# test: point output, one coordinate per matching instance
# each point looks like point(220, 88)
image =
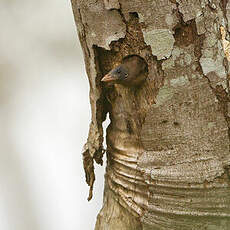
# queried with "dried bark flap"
point(96, 27)
point(89, 170)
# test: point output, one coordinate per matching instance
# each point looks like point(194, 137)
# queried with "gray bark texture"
point(168, 140)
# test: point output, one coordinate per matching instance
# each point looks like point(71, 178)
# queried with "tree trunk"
point(168, 140)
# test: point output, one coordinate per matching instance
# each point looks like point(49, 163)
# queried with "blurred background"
point(44, 120)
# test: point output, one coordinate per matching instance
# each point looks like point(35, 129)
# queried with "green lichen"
point(211, 125)
point(193, 76)
point(165, 94)
point(176, 53)
point(187, 59)
point(181, 62)
point(200, 25)
point(210, 41)
point(208, 53)
point(169, 19)
point(180, 81)
point(141, 17)
point(210, 65)
point(168, 64)
point(161, 42)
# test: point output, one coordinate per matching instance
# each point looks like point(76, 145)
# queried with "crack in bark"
point(222, 96)
point(223, 100)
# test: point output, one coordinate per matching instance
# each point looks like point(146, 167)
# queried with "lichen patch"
point(165, 94)
point(210, 65)
point(161, 42)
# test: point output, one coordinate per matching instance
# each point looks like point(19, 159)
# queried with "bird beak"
point(108, 78)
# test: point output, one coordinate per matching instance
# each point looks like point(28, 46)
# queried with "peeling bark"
point(168, 159)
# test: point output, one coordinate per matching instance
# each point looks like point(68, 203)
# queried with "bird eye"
point(126, 75)
point(118, 71)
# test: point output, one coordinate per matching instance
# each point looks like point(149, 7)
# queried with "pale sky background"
point(44, 120)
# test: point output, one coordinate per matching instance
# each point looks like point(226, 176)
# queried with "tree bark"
point(168, 140)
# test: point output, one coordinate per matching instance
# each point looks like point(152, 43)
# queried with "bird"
point(129, 73)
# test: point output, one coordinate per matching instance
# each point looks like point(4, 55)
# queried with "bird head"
point(118, 74)
point(129, 72)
